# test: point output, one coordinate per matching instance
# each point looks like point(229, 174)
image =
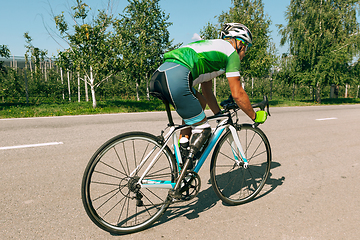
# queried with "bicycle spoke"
point(152, 204)
point(232, 185)
point(133, 143)
point(142, 157)
point(158, 175)
point(122, 209)
point(126, 159)
point(247, 146)
point(147, 210)
point(154, 194)
point(108, 200)
point(113, 207)
point(253, 170)
point(228, 182)
point(120, 161)
point(233, 151)
point(105, 183)
point(252, 157)
point(227, 156)
point(127, 211)
point(254, 181)
point(113, 168)
point(242, 183)
point(104, 194)
point(109, 175)
point(255, 150)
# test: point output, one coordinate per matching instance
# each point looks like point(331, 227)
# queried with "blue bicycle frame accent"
point(212, 143)
point(157, 184)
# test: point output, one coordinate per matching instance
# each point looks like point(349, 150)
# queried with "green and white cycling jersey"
point(207, 59)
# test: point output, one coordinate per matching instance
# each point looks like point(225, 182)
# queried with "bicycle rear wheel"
point(231, 181)
point(111, 196)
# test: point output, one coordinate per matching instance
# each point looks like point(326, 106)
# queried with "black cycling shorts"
point(174, 83)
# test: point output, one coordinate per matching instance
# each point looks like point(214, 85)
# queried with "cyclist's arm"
point(206, 88)
point(240, 97)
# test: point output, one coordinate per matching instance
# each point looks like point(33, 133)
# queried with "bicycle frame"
point(219, 130)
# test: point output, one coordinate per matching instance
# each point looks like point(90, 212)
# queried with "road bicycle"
point(131, 179)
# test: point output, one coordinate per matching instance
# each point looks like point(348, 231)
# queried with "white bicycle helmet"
point(233, 30)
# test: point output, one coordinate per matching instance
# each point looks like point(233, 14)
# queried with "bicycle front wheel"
point(111, 195)
point(233, 181)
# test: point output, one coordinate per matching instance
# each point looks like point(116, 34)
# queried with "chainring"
point(190, 186)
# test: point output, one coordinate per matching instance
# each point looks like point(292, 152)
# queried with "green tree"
point(92, 45)
point(143, 39)
point(355, 73)
point(260, 58)
point(210, 31)
point(36, 54)
point(287, 76)
point(323, 38)
point(4, 52)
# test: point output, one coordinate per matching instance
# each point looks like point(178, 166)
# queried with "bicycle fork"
point(235, 144)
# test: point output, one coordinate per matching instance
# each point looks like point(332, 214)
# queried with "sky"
point(188, 18)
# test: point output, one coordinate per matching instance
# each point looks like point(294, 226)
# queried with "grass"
point(22, 110)
point(325, 101)
point(37, 109)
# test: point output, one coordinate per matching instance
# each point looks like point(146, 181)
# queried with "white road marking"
point(31, 145)
point(325, 119)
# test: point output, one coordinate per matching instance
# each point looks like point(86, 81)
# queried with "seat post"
point(168, 112)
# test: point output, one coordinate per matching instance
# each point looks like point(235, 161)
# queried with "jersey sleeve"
point(233, 65)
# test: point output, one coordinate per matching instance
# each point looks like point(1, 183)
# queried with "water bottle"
point(184, 148)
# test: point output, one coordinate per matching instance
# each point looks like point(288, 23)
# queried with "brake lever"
point(267, 105)
point(267, 109)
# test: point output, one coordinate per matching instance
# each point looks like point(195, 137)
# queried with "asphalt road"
point(312, 193)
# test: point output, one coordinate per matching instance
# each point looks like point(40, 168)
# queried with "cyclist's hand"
point(261, 116)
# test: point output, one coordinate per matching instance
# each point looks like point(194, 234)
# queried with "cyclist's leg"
point(177, 87)
point(174, 82)
point(187, 131)
point(189, 105)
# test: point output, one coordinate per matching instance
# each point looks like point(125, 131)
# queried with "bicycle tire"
point(107, 188)
point(232, 183)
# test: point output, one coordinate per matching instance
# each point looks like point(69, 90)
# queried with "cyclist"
point(198, 63)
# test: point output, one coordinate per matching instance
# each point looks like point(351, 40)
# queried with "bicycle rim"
point(111, 197)
point(231, 181)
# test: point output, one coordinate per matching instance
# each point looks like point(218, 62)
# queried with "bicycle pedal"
point(175, 195)
point(139, 203)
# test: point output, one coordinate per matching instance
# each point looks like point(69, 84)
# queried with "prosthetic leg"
point(198, 141)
